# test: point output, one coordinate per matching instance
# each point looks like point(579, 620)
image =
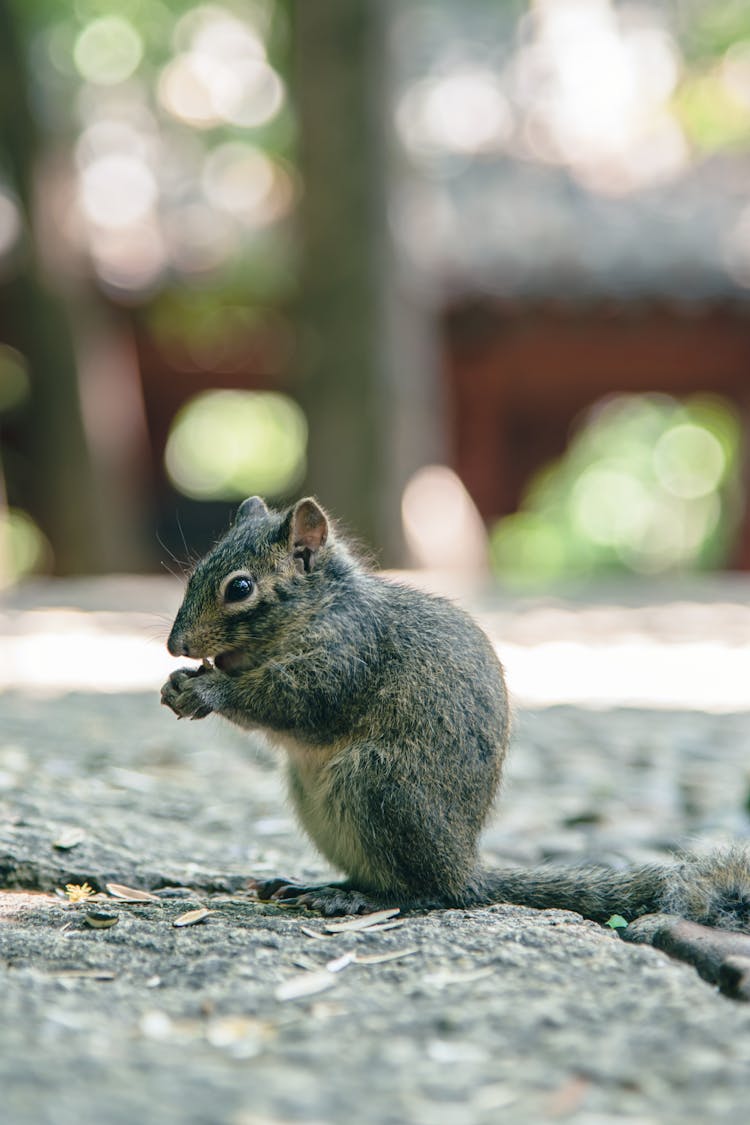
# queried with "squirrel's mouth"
point(228, 661)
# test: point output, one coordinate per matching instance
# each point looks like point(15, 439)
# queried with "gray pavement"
point(455, 1017)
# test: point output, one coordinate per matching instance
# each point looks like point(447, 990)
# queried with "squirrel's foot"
point(331, 901)
point(182, 694)
point(269, 890)
point(328, 899)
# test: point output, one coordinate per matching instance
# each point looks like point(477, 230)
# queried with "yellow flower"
point(78, 892)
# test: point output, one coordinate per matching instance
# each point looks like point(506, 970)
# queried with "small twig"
point(721, 957)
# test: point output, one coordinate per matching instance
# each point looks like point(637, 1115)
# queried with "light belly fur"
point(313, 773)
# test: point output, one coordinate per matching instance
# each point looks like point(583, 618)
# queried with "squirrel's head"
point(264, 557)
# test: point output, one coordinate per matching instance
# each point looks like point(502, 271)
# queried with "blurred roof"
point(590, 146)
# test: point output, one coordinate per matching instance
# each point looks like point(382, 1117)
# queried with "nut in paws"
point(183, 694)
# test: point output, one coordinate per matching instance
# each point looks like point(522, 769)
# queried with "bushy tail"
point(713, 889)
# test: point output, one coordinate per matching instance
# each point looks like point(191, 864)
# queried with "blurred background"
point(475, 273)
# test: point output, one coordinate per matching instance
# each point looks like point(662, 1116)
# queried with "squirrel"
point(392, 708)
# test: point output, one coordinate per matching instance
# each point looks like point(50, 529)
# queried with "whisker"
point(172, 555)
point(171, 571)
point(192, 559)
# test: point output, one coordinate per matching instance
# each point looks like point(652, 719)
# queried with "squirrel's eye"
point(239, 589)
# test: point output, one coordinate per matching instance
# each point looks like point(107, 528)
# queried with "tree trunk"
point(367, 361)
point(337, 74)
point(58, 485)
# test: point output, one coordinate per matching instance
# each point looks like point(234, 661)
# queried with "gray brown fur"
point(392, 708)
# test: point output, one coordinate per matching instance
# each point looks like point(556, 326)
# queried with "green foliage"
point(186, 102)
point(14, 379)
point(710, 116)
point(647, 485)
point(713, 114)
point(228, 444)
point(23, 548)
point(711, 27)
point(616, 922)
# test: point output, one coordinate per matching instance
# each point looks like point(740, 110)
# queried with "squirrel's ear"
point(251, 509)
point(308, 531)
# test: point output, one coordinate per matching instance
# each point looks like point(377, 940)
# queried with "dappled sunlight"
point(684, 655)
point(60, 650)
point(629, 672)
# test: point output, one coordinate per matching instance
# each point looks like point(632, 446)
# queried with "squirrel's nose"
point(177, 644)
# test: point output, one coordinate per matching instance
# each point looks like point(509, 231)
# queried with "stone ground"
point(453, 1018)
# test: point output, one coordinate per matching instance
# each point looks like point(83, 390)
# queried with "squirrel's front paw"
point(184, 695)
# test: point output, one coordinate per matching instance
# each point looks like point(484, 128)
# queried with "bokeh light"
point(648, 484)
point(117, 190)
point(610, 506)
point(596, 84)
point(24, 550)
point(14, 378)
point(596, 142)
point(442, 527)
point(130, 259)
point(10, 223)
point(245, 182)
point(223, 76)
point(108, 51)
point(463, 110)
point(228, 444)
point(168, 181)
point(689, 461)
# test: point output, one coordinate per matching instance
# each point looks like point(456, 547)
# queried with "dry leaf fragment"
point(69, 838)
point(78, 892)
point(131, 894)
point(100, 920)
point(381, 958)
point(362, 921)
point(305, 984)
point(192, 917)
point(341, 962)
point(315, 933)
